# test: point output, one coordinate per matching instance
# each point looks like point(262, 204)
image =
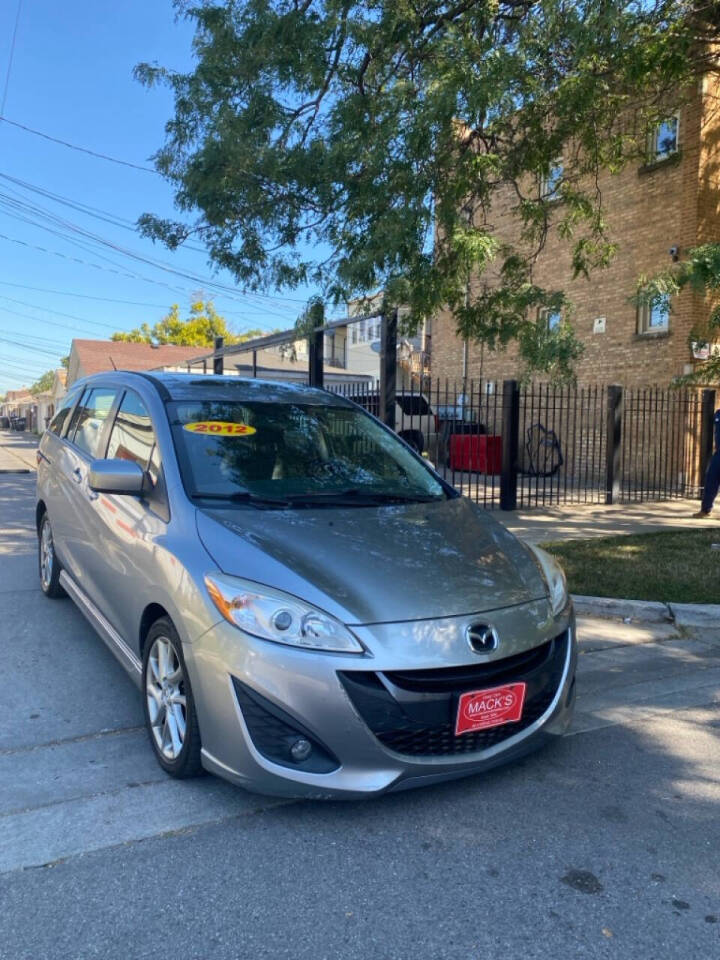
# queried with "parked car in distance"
point(415, 420)
point(307, 608)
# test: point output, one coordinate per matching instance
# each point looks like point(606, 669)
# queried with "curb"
point(649, 611)
point(696, 614)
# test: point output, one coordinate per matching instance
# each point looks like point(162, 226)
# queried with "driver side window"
point(132, 436)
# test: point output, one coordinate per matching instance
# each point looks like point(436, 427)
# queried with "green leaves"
point(43, 383)
point(379, 145)
point(199, 330)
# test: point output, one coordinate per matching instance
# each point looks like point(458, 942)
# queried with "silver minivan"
point(307, 608)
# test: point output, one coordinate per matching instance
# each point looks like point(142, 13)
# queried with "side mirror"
point(116, 476)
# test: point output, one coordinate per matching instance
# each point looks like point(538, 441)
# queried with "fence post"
point(510, 434)
point(218, 361)
point(613, 443)
point(316, 358)
point(706, 434)
point(388, 368)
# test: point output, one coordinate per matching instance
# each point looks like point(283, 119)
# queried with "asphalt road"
point(607, 845)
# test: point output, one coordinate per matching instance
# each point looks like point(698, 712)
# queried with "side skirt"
point(107, 633)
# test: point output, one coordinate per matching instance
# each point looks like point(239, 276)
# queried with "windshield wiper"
point(244, 496)
point(356, 496)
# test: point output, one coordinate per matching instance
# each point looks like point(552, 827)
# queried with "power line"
point(77, 205)
point(13, 376)
point(58, 313)
point(24, 367)
point(28, 346)
point(126, 224)
point(41, 341)
point(88, 296)
point(83, 296)
point(74, 146)
point(203, 283)
point(87, 263)
point(12, 55)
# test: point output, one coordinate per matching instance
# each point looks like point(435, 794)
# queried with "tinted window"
point(88, 421)
point(413, 405)
point(57, 424)
point(132, 436)
point(286, 450)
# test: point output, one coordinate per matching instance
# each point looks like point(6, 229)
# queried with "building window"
point(654, 317)
point(550, 180)
point(663, 139)
point(365, 331)
point(550, 319)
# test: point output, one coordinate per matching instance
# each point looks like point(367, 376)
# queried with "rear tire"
point(48, 564)
point(168, 702)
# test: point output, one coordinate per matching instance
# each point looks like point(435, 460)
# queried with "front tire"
point(170, 714)
point(48, 564)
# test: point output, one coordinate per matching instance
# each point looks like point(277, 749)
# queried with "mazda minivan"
point(307, 608)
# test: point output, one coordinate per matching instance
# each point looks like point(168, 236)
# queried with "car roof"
point(191, 386)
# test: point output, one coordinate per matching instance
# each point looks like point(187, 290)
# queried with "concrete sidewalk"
point(582, 521)
point(17, 451)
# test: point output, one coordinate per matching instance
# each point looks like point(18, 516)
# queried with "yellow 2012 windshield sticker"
point(219, 428)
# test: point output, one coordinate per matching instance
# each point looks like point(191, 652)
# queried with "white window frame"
point(654, 154)
point(551, 178)
point(544, 315)
point(646, 312)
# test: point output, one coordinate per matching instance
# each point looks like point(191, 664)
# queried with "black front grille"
point(470, 676)
point(413, 712)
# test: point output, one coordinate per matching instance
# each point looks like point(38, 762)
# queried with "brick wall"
point(648, 211)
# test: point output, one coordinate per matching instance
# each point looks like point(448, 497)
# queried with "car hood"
point(377, 564)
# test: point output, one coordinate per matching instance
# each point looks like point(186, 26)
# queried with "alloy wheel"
point(166, 698)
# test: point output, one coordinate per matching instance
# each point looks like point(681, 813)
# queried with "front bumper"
point(383, 721)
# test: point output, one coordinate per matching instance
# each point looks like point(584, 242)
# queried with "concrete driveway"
point(604, 846)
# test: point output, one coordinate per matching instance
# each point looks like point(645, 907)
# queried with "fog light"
point(300, 750)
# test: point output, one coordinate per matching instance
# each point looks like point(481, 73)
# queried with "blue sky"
point(71, 78)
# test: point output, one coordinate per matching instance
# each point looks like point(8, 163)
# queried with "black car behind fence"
point(513, 445)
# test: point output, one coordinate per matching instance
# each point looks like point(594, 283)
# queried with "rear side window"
point(132, 436)
point(86, 428)
point(413, 405)
point(57, 424)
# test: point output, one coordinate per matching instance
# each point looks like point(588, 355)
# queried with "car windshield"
point(294, 454)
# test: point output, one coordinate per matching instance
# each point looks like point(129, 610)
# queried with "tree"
point(362, 145)
point(43, 383)
point(199, 330)
point(700, 272)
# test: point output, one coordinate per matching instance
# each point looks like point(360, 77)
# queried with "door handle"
point(77, 475)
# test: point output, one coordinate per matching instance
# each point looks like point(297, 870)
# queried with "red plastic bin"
point(478, 453)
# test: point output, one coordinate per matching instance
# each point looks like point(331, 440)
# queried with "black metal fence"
point(514, 445)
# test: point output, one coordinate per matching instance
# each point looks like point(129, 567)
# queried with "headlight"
point(273, 615)
point(554, 578)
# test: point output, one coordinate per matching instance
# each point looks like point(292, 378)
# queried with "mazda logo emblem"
point(482, 638)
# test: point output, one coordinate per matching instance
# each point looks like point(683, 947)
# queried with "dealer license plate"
point(481, 709)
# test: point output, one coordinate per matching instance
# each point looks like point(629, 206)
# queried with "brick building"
point(672, 201)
